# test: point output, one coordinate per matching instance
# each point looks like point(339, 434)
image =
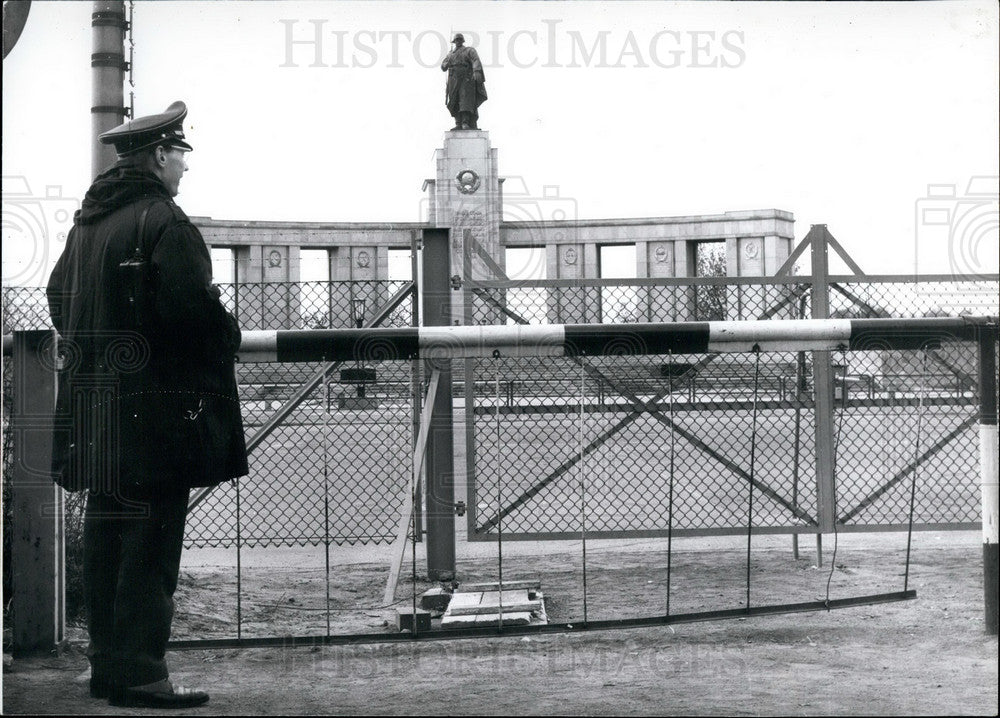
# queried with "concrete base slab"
point(491, 608)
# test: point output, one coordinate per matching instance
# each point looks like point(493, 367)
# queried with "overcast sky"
point(841, 113)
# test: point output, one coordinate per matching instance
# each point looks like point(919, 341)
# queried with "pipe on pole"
point(107, 62)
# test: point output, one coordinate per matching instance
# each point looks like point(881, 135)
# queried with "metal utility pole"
point(108, 73)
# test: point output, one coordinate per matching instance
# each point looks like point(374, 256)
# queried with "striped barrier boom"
point(553, 340)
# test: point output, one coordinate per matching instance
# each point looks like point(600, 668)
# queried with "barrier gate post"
point(826, 509)
point(439, 515)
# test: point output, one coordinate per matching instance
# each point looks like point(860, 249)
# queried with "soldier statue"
point(466, 88)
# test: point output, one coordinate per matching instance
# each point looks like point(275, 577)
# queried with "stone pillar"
point(265, 299)
point(279, 298)
point(363, 271)
point(745, 258)
point(755, 257)
point(776, 251)
point(466, 199)
point(572, 305)
point(686, 265)
point(665, 304)
point(354, 274)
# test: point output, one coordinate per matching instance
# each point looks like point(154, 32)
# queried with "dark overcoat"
point(147, 396)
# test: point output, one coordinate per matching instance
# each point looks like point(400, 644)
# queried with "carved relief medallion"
point(662, 253)
point(363, 258)
point(467, 181)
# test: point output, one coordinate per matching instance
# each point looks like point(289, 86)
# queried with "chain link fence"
point(628, 445)
point(267, 305)
point(623, 301)
point(608, 445)
point(313, 305)
point(335, 470)
point(619, 446)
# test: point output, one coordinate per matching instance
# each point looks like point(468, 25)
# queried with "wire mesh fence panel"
point(300, 305)
point(616, 302)
point(599, 443)
point(313, 305)
point(909, 431)
point(563, 445)
point(25, 308)
point(907, 297)
point(335, 469)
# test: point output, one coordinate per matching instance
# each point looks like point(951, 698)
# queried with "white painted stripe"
point(243, 357)
point(258, 345)
point(779, 335)
point(519, 340)
point(988, 480)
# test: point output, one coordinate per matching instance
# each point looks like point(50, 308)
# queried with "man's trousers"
point(131, 557)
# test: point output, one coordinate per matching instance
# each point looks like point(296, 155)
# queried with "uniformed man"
point(466, 88)
point(147, 404)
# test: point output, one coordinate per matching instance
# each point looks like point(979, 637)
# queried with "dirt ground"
point(928, 656)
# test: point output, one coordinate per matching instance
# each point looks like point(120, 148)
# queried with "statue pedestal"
point(465, 198)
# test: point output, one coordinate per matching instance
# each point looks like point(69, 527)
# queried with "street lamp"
point(358, 312)
point(360, 375)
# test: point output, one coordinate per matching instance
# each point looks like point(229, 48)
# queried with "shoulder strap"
point(142, 229)
point(140, 236)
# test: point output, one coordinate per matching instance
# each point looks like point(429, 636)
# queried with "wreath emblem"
point(467, 181)
point(661, 253)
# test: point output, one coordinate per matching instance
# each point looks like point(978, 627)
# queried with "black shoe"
point(157, 695)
